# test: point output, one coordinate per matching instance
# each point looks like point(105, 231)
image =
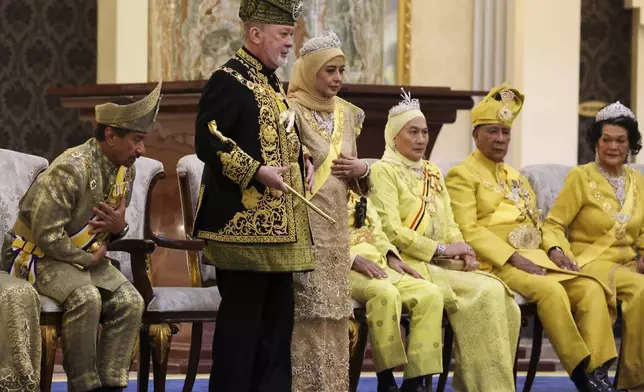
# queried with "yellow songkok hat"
point(277, 12)
point(137, 116)
point(501, 106)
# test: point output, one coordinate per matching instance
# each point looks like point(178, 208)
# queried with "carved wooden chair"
point(172, 305)
point(189, 171)
point(20, 170)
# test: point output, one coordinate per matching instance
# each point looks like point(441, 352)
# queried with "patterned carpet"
point(559, 383)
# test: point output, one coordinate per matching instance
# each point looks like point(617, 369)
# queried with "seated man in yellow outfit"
point(495, 208)
point(59, 241)
point(381, 280)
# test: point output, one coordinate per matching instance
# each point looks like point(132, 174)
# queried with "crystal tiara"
point(408, 103)
point(320, 43)
point(613, 111)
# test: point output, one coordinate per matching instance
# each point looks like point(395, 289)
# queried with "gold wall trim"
point(403, 60)
point(590, 108)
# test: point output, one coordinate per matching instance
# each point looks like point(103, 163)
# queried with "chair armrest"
point(138, 250)
point(171, 243)
point(132, 246)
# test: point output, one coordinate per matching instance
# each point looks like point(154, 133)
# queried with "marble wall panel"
point(189, 39)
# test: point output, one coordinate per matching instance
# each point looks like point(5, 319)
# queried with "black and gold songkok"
point(278, 12)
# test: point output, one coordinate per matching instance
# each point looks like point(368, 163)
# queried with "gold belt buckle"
point(525, 237)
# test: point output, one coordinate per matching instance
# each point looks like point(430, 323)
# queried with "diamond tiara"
point(613, 111)
point(320, 43)
point(408, 103)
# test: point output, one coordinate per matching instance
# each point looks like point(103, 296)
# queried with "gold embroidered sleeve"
point(563, 211)
point(130, 177)
point(237, 165)
point(218, 123)
point(56, 193)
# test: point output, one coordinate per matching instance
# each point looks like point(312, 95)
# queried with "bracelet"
point(440, 249)
point(367, 172)
point(555, 248)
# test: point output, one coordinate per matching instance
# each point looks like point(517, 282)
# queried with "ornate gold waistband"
point(361, 235)
point(525, 237)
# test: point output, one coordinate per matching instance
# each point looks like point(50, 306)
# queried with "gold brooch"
point(525, 237)
point(92, 184)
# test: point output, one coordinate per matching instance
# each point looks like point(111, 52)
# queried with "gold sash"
point(606, 241)
point(27, 253)
point(323, 172)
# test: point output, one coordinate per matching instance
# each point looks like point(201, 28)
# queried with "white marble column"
point(122, 41)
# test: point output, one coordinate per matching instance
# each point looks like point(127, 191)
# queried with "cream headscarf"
point(399, 115)
point(314, 55)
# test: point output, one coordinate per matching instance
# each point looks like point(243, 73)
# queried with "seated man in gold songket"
point(495, 209)
point(59, 241)
point(414, 208)
point(381, 280)
point(600, 205)
point(19, 335)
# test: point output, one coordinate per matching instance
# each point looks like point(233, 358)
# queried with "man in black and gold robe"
point(256, 230)
point(58, 243)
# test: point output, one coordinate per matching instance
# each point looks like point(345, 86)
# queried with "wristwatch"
point(440, 249)
point(120, 235)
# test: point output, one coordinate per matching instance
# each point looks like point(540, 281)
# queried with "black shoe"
point(388, 388)
point(601, 376)
point(412, 385)
point(583, 381)
point(387, 382)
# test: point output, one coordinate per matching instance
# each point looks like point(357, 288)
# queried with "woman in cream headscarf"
point(414, 206)
point(328, 128)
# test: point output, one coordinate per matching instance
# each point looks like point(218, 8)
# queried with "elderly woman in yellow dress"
point(414, 206)
point(600, 205)
point(328, 128)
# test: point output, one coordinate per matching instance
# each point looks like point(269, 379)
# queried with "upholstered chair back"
point(546, 181)
point(18, 170)
point(147, 172)
point(189, 172)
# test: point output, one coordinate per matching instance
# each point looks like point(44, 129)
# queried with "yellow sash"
point(419, 220)
point(606, 241)
point(27, 254)
point(323, 172)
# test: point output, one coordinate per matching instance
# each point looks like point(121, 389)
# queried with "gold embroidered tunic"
point(57, 206)
point(243, 124)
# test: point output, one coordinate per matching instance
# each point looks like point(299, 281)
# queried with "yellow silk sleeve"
point(462, 188)
point(382, 242)
point(454, 235)
point(386, 189)
point(56, 193)
point(569, 201)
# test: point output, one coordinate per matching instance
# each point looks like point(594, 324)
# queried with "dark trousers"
point(251, 350)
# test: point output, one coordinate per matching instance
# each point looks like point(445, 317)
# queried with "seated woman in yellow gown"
point(414, 206)
point(601, 206)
